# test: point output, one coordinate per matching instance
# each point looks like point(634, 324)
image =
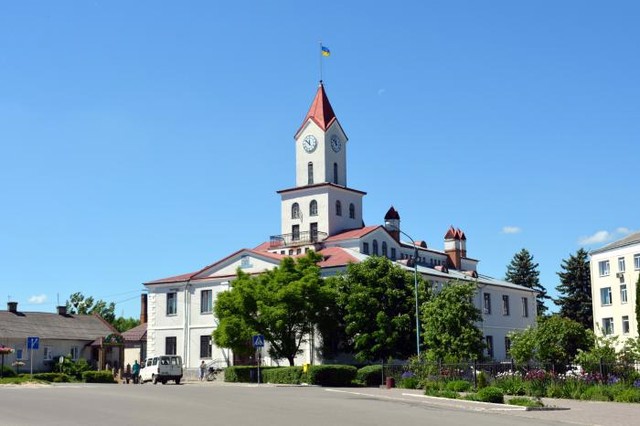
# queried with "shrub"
point(443, 393)
point(7, 371)
point(53, 377)
point(244, 373)
point(525, 402)
point(371, 375)
point(433, 385)
point(628, 395)
point(481, 380)
point(287, 375)
point(100, 376)
point(556, 390)
point(409, 383)
point(511, 383)
point(458, 386)
point(331, 375)
point(597, 393)
point(491, 394)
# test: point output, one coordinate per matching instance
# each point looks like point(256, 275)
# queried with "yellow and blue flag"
point(325, 51)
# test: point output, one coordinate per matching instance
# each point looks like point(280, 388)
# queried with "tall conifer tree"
point(575, 289)
point(523, 271)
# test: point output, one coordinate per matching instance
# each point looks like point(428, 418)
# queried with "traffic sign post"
point(258, 344)
point(33, 343)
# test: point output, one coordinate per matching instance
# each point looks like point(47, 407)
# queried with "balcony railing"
point(297, 239)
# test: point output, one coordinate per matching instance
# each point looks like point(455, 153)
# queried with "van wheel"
point(154, 379)
point(178, 381)
point(164, 382)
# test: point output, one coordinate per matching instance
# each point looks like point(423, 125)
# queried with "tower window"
point(310, 173)
point(295, 232)
point(335, 173)
point(295, 211)
point(352, 211)
point(375, 247)
point(338, 208)
point(313, 208)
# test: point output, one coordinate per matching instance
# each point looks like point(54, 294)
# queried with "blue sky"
point(147, 139)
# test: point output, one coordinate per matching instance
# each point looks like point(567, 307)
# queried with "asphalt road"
point(220, 404)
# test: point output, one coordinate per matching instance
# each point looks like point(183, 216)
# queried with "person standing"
point(203, 370)
point(135, 371)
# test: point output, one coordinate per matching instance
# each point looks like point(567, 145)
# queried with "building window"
point(605, 296)
point(607, 326)
point(384, 248)
point(245, 262)
point(621, 264)
point(505, 304)
point(295, 232)
point(487, 303)
point(170, 345)
point(205, 346)
point(375, 247)
point(310, 173)
point(352, 211)
point(507, 346)
point(623, 293)
point(625, 324)
point(338, 208)
point(603, 266)
point(19, 353)
point(295, 211)
point(47, 354)
point(206, 301)
point(75, 353)
point(172, 303)
point(525, 307)
point(365, 248)
point(335, 173)
point(636, 261)
point(313, 208)
point(489, 341)
point(393, 253)
point(313, 231)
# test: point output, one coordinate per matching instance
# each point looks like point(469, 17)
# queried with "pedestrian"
point(135, 370)
point(203, 369)
point(127, 373)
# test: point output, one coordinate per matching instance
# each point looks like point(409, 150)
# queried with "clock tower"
point(321, 204)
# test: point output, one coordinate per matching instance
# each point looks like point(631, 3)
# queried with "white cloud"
point(623, 231)
point(381, 91)
point(38, 299)
point(598, 237)
point(511, 230)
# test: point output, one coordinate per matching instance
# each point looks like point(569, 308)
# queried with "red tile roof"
point(320, 111)
point(336, 256)
point(354, 233)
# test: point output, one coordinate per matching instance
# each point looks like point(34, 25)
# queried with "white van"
point(161, 369)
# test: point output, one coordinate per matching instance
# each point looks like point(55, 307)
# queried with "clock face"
point(309, 143)
point(335, 143)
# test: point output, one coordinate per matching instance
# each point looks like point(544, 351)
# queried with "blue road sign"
point(33, 342)
point(258, 341)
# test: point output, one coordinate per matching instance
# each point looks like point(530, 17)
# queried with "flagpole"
point(320, 51)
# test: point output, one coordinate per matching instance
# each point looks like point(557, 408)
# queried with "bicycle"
point(212, 373)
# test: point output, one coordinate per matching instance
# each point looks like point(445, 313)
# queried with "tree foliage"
point(78, 304)
point(283, 304)
point(575, 289)
point(524, 271)
point(555, 341)
point(377, 299)
point(449, 322)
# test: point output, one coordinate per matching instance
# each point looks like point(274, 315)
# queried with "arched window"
point(313, 208)
point(295, 211)
point(352, 211)
point(384, 248)
point(310, 173)
point(375, 247)
point(338, 208)
point(335, 173)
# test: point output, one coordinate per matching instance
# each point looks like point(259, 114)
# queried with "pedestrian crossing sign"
point(258, 341)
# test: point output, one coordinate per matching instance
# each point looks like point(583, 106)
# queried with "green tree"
point(377, 300)
point(123, 324)
point(449, 322)
point(555, 341)
point(283, 304)
point(78, 304)
point(523, 271)
point(575, 289)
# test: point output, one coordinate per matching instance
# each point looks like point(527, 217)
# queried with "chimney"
point(62, 310)
point(12, 307)
point(143, 308)
point(452, 247)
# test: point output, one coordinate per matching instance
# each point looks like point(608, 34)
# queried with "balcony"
point(298, 239)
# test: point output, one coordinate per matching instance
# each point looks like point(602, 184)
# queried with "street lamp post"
point(415, 282)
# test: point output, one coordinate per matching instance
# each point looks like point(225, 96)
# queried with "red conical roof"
point(392, 214)
point(320, 111)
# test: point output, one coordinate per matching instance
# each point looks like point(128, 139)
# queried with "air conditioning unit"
point(619, 274)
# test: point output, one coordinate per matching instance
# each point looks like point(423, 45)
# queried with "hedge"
point(331, 375)
point(371, 375)
point(52, 377)
point(101, 376)
point(244, 373)
point(288, 375)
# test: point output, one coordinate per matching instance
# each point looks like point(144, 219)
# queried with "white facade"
point(323, 214)
point(614, 275)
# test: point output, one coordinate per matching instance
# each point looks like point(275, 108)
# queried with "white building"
point(614, 274)
point(324, 214)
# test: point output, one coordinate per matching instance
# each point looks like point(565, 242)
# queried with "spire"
point(320, 111)
point(392, 214)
